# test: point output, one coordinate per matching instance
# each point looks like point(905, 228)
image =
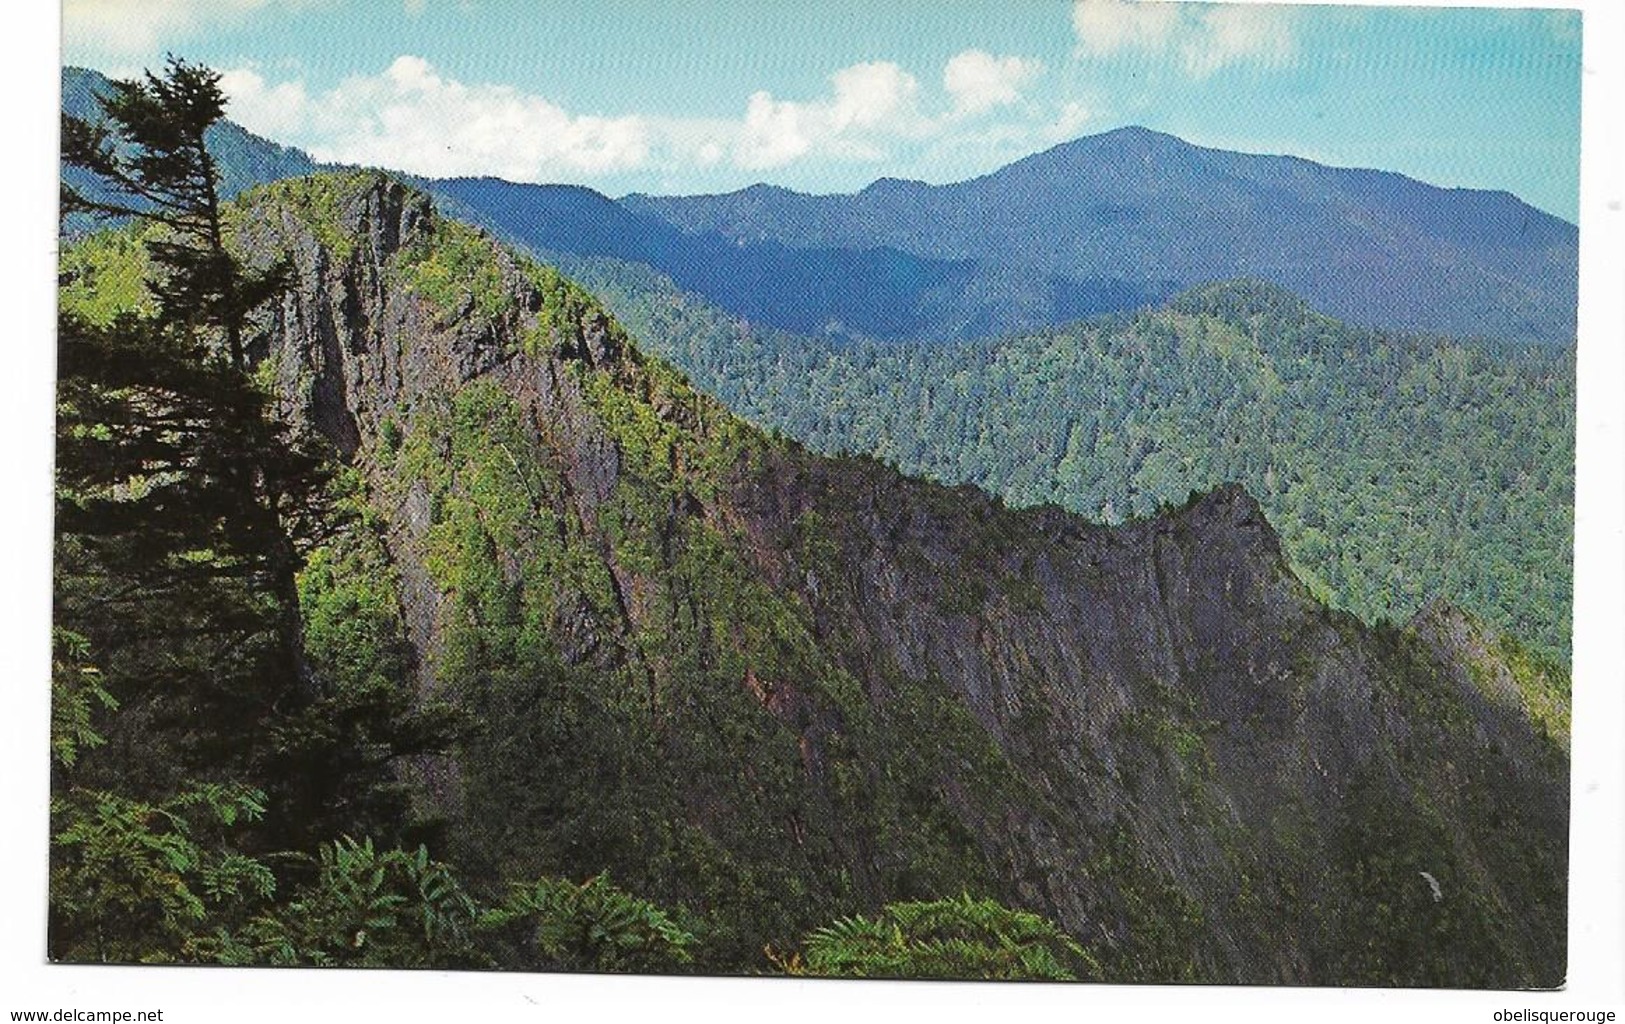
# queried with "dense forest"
point(1398, 468)
point(408, 614)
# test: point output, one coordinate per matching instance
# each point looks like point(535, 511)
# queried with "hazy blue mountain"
point(872, 291)
point(1159, 214)
point(1103, 224)
point(844, 292)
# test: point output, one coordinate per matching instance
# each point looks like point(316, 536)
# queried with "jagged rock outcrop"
point(776, 687)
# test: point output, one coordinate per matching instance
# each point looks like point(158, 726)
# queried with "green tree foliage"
point(131, 880)
point(151, 156)
point(165, 561)
point(963, 937)
point(76, 692)
point(182, 503)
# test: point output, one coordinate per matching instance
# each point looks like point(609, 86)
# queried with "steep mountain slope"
point(1396, 467)
point(1159, 214)
point(777, 687)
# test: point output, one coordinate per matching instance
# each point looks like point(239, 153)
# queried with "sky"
point(712, 95)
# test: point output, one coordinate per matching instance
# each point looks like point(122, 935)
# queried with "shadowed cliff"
point(777, 687)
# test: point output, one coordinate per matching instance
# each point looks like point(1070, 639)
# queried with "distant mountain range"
point(1109, 220)
point(1104, 223)
point(863, 291)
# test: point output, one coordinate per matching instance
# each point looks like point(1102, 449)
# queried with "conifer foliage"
point(151, 153)
point(196, 739)
point(183, 504)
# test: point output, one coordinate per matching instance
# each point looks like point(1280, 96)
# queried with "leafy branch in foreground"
point(130, 880)
point(366, 908)
point(963, 937)
point(594, 926)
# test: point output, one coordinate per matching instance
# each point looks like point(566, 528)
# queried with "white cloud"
point(1069, 122)
point(1106, 26)
point(870, 95)
point(979, 81)
point(773, 134)
point(1234, 32)
point(869, 103)
point(1204, 37)
point(137, 26)
point(271, 110)
point(412, 118)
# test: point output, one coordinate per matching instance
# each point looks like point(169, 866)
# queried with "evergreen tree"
point(186, 510)
point(152, 157)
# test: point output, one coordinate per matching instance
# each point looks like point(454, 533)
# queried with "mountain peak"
point(1129, 138)
point(1134, 133)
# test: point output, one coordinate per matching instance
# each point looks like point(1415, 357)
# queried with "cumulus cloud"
point(871, 95)
point(1202, 37)
point(1106, 26)
point(272, 110)
point(867, 104)
point(413, 118)
point(1236, 32)
point(774, 134)
point(979, 81)
point(137, 26)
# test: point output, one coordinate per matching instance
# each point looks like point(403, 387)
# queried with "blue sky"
point(700, 96)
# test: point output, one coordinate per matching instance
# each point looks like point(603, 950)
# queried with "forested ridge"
point(1398, 468)
point(409, 614)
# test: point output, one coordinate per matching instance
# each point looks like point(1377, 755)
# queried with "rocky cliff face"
point(775, 687)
